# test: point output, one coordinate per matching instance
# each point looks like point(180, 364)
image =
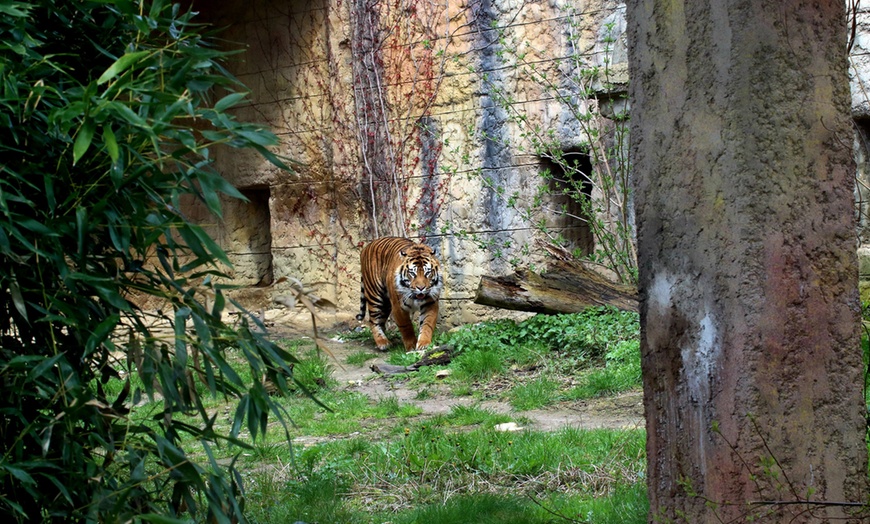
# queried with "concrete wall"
point(410, 117)
point(415, 132)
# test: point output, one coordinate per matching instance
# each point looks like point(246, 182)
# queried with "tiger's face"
point(418, 281)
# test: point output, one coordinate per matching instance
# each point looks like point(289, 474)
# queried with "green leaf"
point(14, 9)
point(101, 333)
point(82, 230)
point(180, 328)
point(161, 519)
point(111, 143)
point(125, 113)
point(111, 295)
point(20, 474)
point(36, 227)
point(83, 140)
point(260, 138)
point(156, 8)
point(43, 367)
point(203, 333)
point(214, 136)
point(121, 65)
point(229, 101)
point(214, 250)
point(48, 180)
point(18, 299)
point(270, 156)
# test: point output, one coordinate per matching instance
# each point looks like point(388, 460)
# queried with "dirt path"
point(621, 411)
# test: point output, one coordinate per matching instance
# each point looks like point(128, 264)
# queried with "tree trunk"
point(563, 288)
point(748, 274)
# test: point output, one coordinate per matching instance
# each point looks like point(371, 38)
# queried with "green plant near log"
point(107, 123)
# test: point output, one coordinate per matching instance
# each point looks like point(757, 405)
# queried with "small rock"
point(508, 426)
point(442, 373)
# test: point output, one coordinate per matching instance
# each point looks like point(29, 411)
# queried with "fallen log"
point(439, 356)
point(564, 288)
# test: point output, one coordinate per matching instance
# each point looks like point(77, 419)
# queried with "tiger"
point(400, 277)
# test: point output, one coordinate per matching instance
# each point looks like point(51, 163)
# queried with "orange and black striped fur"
point(402, 278)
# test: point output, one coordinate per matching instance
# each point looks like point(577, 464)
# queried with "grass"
point(454, 467)
point(360, 357)
point(376, 460)
point(533, 394)
point(600, 345)
point(439, 471)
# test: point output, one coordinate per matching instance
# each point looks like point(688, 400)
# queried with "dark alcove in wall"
point(570, 191)
point(253, 237)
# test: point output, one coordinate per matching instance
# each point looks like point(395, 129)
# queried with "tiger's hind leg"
point(381, 340)
point(377, 319)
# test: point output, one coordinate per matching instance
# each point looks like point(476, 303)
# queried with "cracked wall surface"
point(417, 129)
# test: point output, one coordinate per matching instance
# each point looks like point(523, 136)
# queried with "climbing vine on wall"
point(375, 92)
point(368, 142)
point(399, 51)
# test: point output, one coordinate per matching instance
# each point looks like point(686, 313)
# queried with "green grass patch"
point(620, 372)
point(480, 509)
point(599, 345)
point(533, 394)
point(374, 460)
point(314, 370)
point(360, 357)
point(424, 476)
point(469, 416)
point(478, 364)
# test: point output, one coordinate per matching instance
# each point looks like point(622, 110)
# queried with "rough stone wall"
point(412, 118)
point(404, 118)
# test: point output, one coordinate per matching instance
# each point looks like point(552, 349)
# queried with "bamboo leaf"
point(82, 231)
point(20, 474)
point(83, 140)
point(260, 138)
point(13, 9)
point(229, 101)
point(271, 157)
point(101, 333)
point(111, 143)
point(121, 65)
point(18, 299)
point(161, 519)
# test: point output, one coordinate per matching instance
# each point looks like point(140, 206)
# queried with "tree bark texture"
point(744, 179)
point(563, 288)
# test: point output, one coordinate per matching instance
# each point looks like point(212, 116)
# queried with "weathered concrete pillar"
point(748, 275)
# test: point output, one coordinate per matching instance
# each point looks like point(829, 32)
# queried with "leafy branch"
point(107, 125)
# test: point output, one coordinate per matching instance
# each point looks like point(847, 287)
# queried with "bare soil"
point(624, 410)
